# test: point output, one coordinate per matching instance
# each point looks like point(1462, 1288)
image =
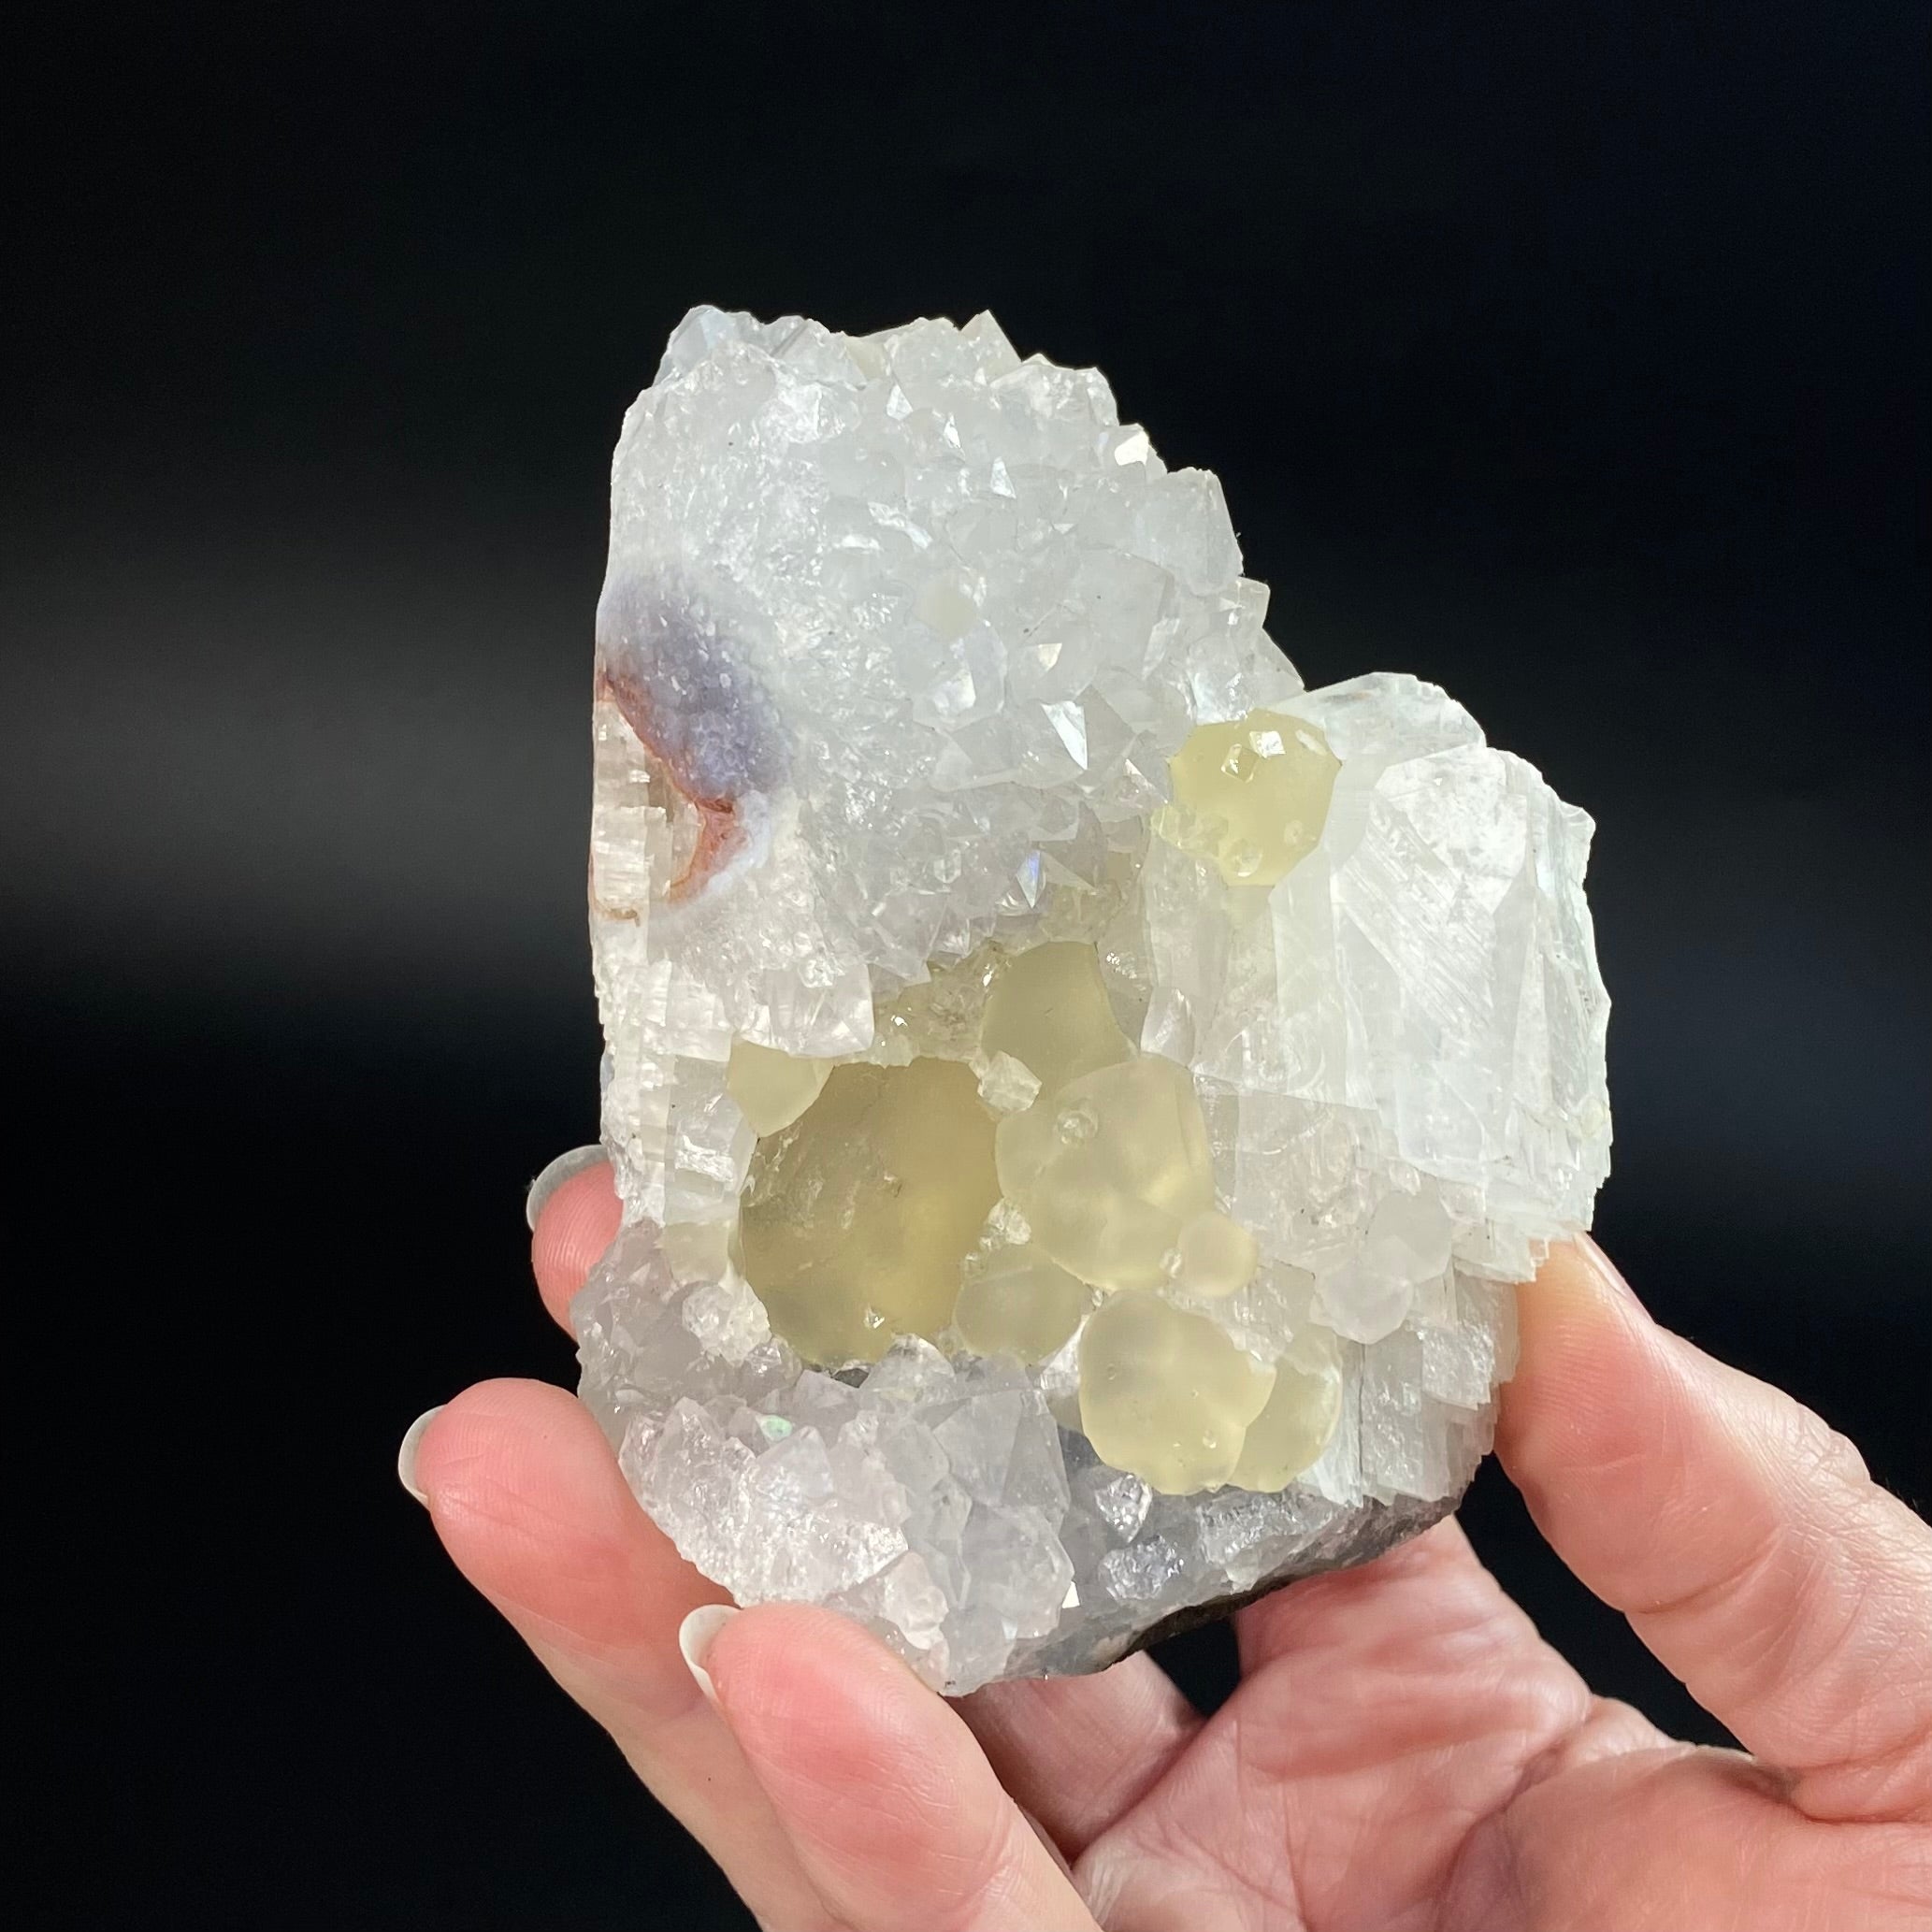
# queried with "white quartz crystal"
point(913, 660)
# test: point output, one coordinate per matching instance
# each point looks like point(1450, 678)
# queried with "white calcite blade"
point(1037, 1026)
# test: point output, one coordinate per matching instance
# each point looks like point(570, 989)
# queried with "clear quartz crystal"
point(1080, 1100)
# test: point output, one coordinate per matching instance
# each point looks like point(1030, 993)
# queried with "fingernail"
point(555, 1176)
point(696, 1636)
point(406, 1455)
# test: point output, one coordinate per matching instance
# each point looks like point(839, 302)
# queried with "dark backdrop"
point(1571, 356)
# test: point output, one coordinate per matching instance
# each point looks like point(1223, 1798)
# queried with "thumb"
point(1744, 1539)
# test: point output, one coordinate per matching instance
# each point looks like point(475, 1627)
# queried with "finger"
point(1076, 1752)
point(576, 1222)
point(894, 1814)
point(529, 1501)
point(1752, 1553)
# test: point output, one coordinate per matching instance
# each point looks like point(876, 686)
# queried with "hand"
point(1403, 1751)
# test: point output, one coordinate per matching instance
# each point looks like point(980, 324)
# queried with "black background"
point(1571, 356)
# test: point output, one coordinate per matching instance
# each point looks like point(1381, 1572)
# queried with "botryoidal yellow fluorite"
point(1109, 1168)
point(1049, 1009)
point(866, 1212)
point(772, 1088)
point(858, 1215)
point(1166, 1394)
point(1253, 794)
point(1016, 1302)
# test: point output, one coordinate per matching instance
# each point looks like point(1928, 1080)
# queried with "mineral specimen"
point(1080, 1100)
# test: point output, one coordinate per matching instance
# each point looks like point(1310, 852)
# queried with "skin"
point(1404, 1751)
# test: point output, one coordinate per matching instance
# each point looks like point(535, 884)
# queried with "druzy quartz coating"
point(1080, 1100)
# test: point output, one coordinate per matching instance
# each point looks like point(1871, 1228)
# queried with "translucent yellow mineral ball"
point(1109, 1169)
point(1165, 1394)
point(1254, 794)
point(1292, 1429)
point(1016, 1302)
point(857, 1216)
point(1049, 1009)
point(1215, 1256)
point(772, 1088)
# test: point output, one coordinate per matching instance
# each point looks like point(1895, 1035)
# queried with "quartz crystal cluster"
point(1080, 1100)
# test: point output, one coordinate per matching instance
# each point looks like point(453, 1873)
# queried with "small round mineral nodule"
point(1165, 1395)
point(1017, 1302)
point(1296, 1425)
point(1217, 1256)
point(1109, 1168)
point(773, 1088)
point(1079, 1098)
point(1049, 1009)
point(1260, 786)
point(858, 1215)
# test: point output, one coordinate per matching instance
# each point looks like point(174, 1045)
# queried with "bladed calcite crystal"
point(1080, 1100)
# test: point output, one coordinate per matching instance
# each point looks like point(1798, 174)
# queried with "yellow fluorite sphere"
point(1165, 1394)
point(1108, 1169)
point(1292, 1429)
point(772, 1088)
point(857, 1216)
point(1258, 792)
point(1018, 1303)
point(871, 1187)
point(1216, 1255)
point(1049, 1009)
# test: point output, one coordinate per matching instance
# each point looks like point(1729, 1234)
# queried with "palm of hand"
point(1403, 1751)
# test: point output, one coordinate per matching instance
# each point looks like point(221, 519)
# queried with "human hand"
point(1404, 1751)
